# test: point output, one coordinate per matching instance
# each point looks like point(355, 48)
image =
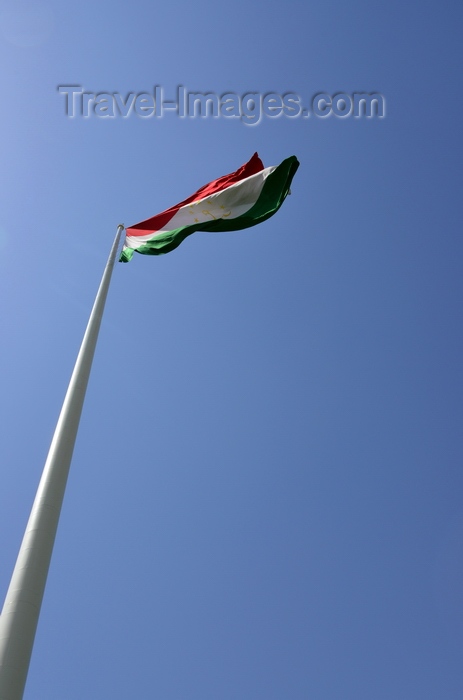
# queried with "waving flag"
point(244, 198)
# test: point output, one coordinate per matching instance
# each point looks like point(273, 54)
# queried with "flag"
point(244, 198)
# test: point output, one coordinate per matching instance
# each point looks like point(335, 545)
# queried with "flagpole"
point(20, 614)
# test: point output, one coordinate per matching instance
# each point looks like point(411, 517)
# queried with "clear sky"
point(265, 499)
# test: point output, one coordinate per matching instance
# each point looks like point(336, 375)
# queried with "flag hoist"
point(20, 614)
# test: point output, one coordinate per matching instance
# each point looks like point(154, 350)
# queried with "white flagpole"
point(20, 614)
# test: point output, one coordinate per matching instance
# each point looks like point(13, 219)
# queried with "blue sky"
point(265, 496)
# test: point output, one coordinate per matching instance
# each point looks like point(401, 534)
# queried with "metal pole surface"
point(20, 614)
